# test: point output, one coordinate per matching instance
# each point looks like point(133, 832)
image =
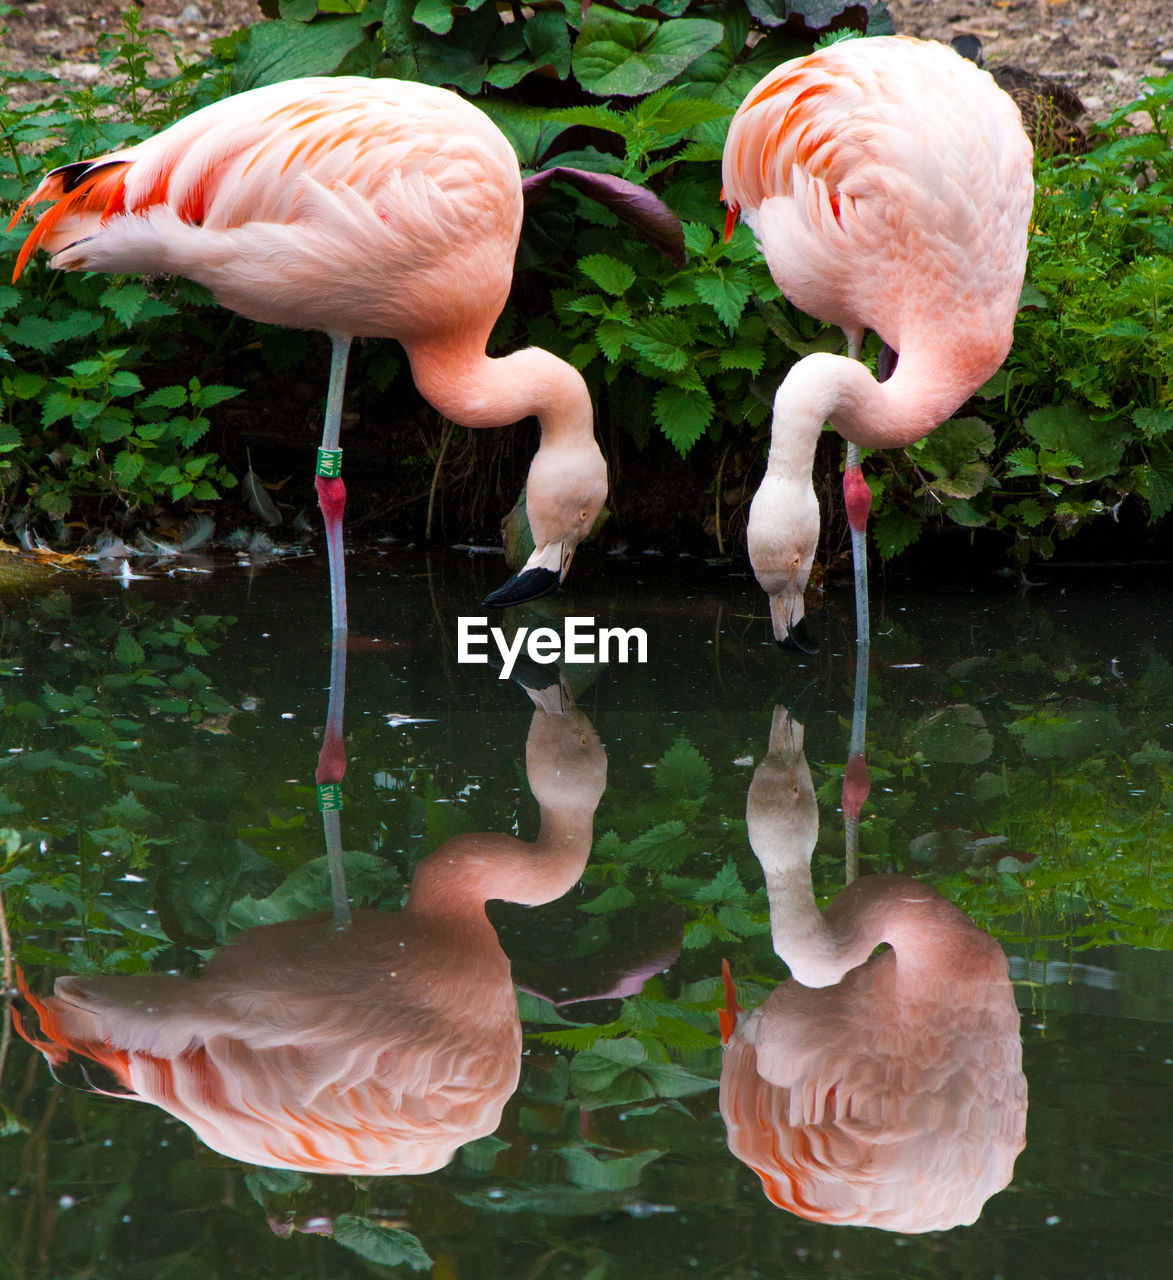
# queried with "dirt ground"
point(1101, 48)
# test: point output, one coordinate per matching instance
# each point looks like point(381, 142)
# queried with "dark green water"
point(158, 781)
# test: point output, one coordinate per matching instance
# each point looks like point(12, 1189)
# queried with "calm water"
point(159, 781)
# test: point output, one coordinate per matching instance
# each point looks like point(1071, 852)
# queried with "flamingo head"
point(565, 492)
point(783, 533)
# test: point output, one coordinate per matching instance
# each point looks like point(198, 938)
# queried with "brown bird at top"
point(1053, 115)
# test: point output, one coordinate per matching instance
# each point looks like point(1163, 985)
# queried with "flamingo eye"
point(584, 514)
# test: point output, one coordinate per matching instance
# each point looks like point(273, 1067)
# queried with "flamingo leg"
point(328, 480)
point(858, 499)
point(855, 777)
point(328, 777)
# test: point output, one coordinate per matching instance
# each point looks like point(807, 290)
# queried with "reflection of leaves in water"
point(954, 735)
point(307, 890)
point(682, 772)
point(1068, 727)
point(619, 1071)
point(596, 1172)
point(387, 1246)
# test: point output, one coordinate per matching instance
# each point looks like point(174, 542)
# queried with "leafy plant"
point(80, 425)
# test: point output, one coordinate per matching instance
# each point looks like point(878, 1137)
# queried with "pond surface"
point(540, 1090)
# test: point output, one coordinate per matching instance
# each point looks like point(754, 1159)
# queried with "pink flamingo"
point(888, 182)
point(882, 1090)
point(376, 1049)
point(373, 208)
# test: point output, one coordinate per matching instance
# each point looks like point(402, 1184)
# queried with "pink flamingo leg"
point(328, 481)
point(858, 499)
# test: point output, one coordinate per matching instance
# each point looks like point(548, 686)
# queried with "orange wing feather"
point(100, 192)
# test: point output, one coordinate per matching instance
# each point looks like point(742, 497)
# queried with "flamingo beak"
point(790, 627)
point(797, 639)
point(542, 573)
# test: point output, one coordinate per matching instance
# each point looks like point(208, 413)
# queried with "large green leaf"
point(387, 1246)
point(285, 50)
point(1069, 429)
point(954, 735)
point(589, 1169)
point(618, 54)
point(953, 455)
point(815, 16)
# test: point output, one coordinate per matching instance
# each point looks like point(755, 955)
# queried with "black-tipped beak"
point(798, 640)
point(529, 584)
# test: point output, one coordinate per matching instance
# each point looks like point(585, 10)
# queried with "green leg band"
point(329, 463)
point(329, 797)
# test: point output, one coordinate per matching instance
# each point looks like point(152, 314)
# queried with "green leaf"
point(436, 15)
point(894, 531)
point(614, 898)
point(1153, 422)
point(611, 275)
point(1068, 728)
point(128, 467)
point(682, 772)
point(124, 383)
point(595, 1172)
point(1069, 430)
point(10, 438)
point(665, 340)
point(165, 398)
point(58, 405)
point(284, 50)
point(953, 455)
point(26, 386)
point(683, 415)
point(124, 301)
point(663, 846)
point(726, 295)
point(954, 735)
point(1021, 462)
point(387, 1246)
point(619, 54)
point(1123, 328)
point(1154, 482)
point(41, 334)
point(548, 39)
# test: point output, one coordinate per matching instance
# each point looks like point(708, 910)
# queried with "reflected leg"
point(328, 776)
point(855, 777)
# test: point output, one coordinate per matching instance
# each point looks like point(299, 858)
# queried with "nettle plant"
point(78, 352)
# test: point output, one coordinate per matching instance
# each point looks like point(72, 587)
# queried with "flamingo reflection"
point(375, 1048)
point(881, 1090)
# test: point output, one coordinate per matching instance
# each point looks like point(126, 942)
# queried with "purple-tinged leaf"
point(637, 206)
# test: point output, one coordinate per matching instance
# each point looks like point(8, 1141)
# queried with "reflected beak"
point(542, 573)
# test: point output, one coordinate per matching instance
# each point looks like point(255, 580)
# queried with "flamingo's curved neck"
point(469, 870)
point(924, 390)
point(477, 390)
